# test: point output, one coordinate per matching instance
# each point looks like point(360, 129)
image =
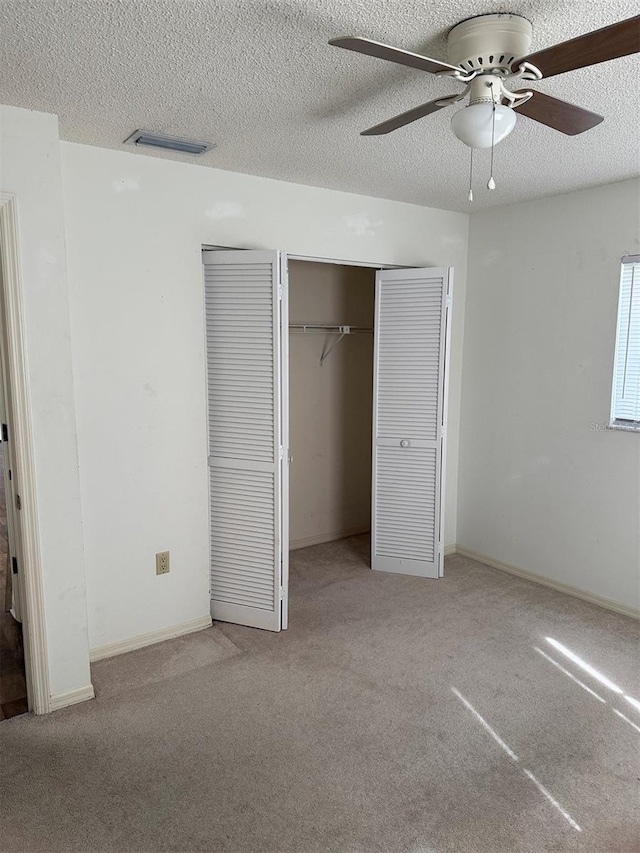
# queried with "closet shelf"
point(332, 330)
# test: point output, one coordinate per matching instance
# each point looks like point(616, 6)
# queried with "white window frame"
point(624, 333)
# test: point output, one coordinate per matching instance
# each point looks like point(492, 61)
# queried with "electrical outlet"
point(162, 563)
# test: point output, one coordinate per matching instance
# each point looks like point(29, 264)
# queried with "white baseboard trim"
point(142, 640)
point(449, 549)
point(71, 697)
point(296, 544)
point(575, 591)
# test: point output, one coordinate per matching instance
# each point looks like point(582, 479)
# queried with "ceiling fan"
point(486, 51)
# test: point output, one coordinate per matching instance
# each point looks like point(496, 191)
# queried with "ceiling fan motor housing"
point(489, 42)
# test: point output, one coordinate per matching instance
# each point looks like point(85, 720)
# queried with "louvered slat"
point(409, 332)
point(239, 298)
point(409, 406)
point(242, 330)
point(406, 515)
point(625, 407)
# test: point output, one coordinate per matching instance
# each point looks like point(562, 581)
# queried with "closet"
point(326, 399)
point(331, 310)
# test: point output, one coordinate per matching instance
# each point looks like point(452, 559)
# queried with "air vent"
point(168, 143)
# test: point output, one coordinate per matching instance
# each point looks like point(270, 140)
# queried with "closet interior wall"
point(330, 405)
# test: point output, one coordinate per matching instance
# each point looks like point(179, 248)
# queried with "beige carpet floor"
point(396, 715)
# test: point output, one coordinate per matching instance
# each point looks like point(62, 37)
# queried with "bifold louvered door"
point(246, 313)
point(409, 420)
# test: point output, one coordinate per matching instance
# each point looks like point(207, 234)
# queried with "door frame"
point(214, 247)
point(284, 430)
point(29, 577)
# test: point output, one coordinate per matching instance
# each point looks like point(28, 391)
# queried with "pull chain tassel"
point(471, 178)
point(491, 184)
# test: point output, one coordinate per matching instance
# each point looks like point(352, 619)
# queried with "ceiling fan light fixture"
point(473, 124)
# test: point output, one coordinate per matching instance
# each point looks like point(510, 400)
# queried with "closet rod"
point(338, 330)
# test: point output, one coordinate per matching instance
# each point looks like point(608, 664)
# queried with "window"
point(625, 399)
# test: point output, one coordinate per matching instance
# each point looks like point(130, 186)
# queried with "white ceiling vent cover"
point(168, 143)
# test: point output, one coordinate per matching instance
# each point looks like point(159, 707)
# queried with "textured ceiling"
point(258, 78)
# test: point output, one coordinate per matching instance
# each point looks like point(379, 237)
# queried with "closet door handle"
point(404, 443)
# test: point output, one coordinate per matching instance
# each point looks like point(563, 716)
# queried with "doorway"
point(13, 685)
point(247, 334)
point(13, 679)
point(330, 401)
point(26, 602)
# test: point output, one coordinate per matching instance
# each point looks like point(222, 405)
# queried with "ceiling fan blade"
point(611, 42)
point(557, 114)
point(405, 118)
point(392, 54)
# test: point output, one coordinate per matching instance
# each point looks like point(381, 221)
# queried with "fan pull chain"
point(471, 178)
point(491, 184)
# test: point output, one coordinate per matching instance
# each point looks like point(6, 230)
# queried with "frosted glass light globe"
point(473, 124)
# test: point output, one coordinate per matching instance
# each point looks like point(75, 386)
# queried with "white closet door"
point(246, 313)
point(409, 419)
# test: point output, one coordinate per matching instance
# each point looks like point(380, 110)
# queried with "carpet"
point(396, 714)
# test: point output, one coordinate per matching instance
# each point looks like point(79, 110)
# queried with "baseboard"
point(296, 544)
point(142, 640)
point(71, 697)
point(575, 591)
point(449, 549)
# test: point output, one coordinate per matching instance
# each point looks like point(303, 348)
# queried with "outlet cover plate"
point(162, 563)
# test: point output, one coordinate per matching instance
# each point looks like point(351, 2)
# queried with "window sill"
point(625, 426)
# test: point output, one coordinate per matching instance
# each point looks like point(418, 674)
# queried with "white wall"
point(542, 486)
point(30, 169)
point(134, 229)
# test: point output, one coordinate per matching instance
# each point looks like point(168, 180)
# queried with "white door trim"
point(342, 263)
point(284, 435)
point(311, 258)
point(30, 573)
